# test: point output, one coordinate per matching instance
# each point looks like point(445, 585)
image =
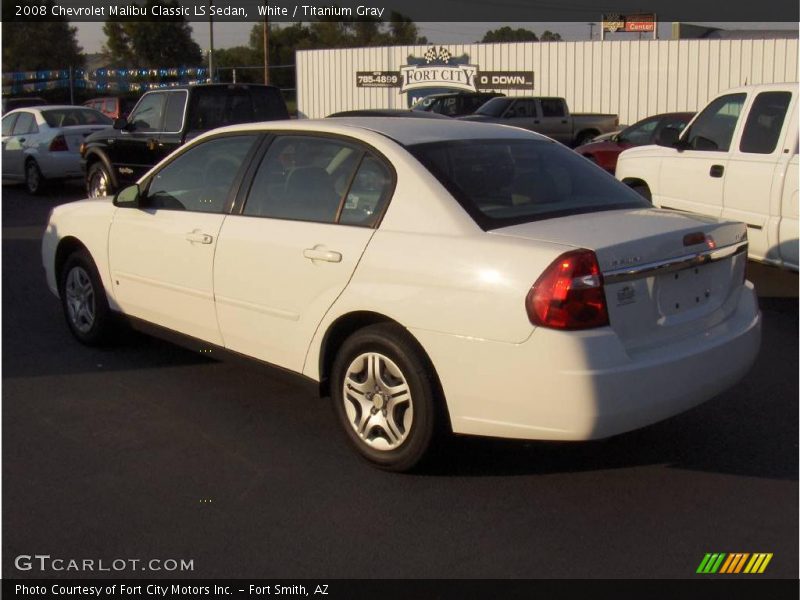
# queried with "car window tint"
point(70, 117)
point(303, 178)
point(640, 133)
point(368, 195)
point(200, 179)
point(523, 109)
point(713, 128)
point(8, 124)
point(25, 124)
point(149, 112)
point(552, 107)
point(764, 123)
point(173, 117)
point(494, 107)
point(504, 182)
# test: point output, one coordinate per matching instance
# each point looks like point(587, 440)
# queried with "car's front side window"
point(8, 124)
point(713, 129)
point(199, 179)
point(149, 113)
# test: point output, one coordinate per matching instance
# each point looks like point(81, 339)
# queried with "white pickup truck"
point(737, 159)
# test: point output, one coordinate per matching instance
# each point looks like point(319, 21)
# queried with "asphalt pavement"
point(146, 450)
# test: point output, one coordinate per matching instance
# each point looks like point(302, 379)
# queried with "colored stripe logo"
point(734, 563)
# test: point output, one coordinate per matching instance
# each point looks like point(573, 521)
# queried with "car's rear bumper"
point(584, 385)
point(60, 165)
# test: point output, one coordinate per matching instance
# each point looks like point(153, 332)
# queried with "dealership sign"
point(629, 23)
point(438, 71)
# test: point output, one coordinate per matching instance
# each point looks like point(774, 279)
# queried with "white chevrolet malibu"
point(430, 275)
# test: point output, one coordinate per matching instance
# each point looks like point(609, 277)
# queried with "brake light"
point(59, 144)
point(569, 294)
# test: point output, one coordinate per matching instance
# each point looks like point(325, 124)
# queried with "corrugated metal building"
point(634, 79)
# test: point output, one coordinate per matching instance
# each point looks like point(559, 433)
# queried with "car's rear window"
point(220, 106)
point(66, 117)
point(506, 182)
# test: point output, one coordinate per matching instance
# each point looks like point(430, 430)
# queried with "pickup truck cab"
point(737, 159)
point(548, 116)
point(165, 119)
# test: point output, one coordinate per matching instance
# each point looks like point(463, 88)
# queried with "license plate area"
point(684, 290)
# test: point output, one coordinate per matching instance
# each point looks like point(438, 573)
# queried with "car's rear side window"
point(506, 182)
point(320, 179)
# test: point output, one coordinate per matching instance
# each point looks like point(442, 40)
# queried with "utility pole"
point(211, 42)
point(266, 43)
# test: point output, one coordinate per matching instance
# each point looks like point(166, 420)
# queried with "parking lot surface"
point(147, 450)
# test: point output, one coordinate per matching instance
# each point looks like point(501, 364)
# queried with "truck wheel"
point(584, 137)
point(643, 191)
point(98, 181)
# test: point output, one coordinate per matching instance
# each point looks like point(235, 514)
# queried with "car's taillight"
point(59, 144)
point(569, 294)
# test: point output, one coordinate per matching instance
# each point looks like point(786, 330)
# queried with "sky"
point(91, 38)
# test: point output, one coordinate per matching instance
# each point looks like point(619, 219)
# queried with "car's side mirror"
point(617, 138)
point(128, 197)
point(121, 123)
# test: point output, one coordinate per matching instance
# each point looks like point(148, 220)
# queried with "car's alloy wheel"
point(98, 182)
point(386, 396)
point(34, 181)
point(80, 299)
point(84, 300)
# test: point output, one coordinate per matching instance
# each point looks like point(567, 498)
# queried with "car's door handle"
point(318, 253)
point(716, 170)
point(564, 122)
point(21, 140)
point(198, 237)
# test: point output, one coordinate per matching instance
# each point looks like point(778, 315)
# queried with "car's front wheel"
point(83, 299)
point(98, 181)
point(385, 397)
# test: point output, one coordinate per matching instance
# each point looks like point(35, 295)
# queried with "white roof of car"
point(406, 131)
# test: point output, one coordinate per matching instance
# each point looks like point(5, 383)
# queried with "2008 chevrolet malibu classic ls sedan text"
point(431, 275)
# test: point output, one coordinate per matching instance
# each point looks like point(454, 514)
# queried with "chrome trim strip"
point(674, 264)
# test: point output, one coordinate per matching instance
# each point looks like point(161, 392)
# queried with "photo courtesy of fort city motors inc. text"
point(427, 300)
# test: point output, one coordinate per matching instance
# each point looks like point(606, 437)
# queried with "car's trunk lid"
point(666, 273)
point(75, 135)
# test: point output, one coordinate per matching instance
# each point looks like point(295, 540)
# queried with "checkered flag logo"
point(437, 54)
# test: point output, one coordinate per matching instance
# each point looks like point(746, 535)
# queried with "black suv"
point(164, 119)
point(454, 104)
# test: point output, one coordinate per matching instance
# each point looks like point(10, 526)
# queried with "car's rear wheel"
point(34, 180)
point(385, 397)
point(98, 181)
point(643, 190)
point(83, 299)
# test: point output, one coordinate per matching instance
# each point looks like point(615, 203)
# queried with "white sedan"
point(432, 276)
point(43, 143)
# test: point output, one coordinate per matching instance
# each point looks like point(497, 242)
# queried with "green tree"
point(45, 45)
point(506, 34)
point(549, 36)
point(164, 43)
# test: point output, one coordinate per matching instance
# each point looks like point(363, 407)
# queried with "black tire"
point(643, 190)
point(98, 181)
point(81, 290)
point(584, 138)
point(35, 182)
point(414, 436)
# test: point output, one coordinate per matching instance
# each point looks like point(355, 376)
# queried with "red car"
point(605, 152)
